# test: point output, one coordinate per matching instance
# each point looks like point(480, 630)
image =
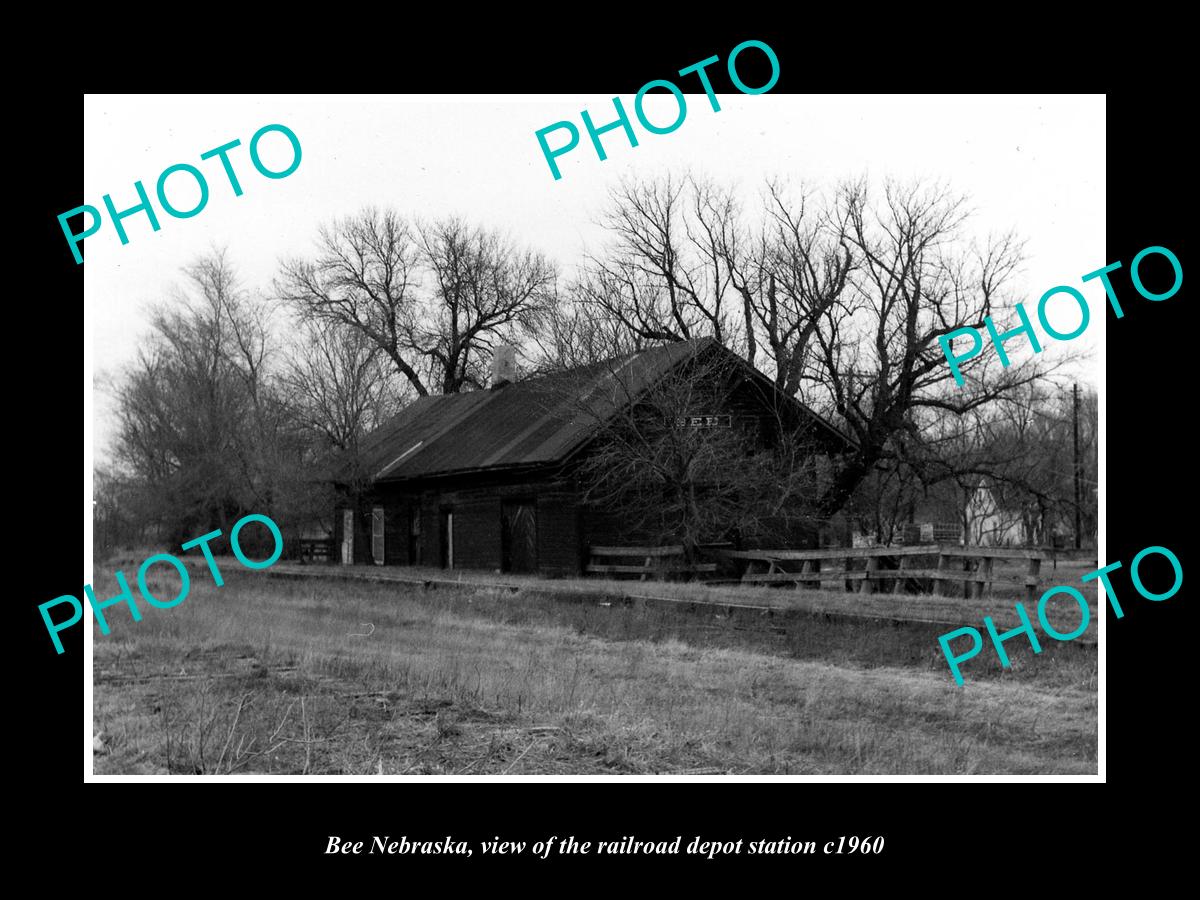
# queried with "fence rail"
point(966, 570)
point(656, 562)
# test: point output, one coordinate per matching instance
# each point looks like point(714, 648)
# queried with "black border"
point(932, 829)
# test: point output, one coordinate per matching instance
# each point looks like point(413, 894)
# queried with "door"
point(447, 523)
point(518, 536)
point(377, 535)
point(347, 537)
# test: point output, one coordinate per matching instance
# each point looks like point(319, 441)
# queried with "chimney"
point(504, 366)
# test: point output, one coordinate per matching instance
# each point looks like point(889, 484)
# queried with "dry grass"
point(262, 675)
point(1000, 604)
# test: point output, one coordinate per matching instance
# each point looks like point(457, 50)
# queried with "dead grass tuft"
point(261, 676)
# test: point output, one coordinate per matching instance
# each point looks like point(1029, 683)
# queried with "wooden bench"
point(656, 562)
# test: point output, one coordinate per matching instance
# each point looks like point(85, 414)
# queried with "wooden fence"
point(948, 570)
point(656, 562)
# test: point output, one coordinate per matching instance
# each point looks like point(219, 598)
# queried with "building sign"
point(704, 421)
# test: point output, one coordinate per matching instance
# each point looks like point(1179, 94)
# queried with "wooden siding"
point(565, 527)
point(477, 523)
point(476, 531)
point(560, 552)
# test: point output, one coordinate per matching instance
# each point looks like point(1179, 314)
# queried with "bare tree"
point(685, 264)
point(198, 420)
point(339, 387)
point(1004, 470)
point(1020, 454)
point(117, 511)
point(572, 335)
point(363, 277)
point(484, 289)
point(877, 356)
point(844, 296)
point(789, 273)
point(671, 460)
point(432, 297)
point(887, 499)
point(662, 277)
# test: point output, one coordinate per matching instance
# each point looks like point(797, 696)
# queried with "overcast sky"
point(1034, 164)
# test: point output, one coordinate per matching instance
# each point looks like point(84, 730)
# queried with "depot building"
point(491, 479)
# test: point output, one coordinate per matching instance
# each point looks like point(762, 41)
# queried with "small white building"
point(989, 524)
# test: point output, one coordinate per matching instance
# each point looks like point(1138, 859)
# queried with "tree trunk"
point(848, 479)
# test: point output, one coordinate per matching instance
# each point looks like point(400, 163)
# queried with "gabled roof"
point(534, 422)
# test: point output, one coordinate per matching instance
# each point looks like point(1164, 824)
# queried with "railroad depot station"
point(491, 479)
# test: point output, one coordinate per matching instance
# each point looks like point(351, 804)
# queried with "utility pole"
point(1078, 529)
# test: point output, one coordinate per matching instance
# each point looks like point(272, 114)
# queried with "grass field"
point(999, 604)
point(266, 675)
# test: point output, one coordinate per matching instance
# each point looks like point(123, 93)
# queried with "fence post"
point(898, 587)
point(1035, 568)
point(975, 586)
point(943, 565)
point(872, 565)
point(985, 575)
